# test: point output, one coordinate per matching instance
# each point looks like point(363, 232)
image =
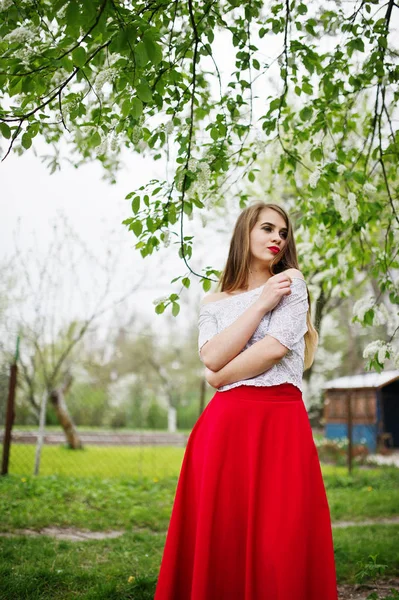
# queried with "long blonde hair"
point(235, 274)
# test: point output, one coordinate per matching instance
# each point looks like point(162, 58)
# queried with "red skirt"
point(250, 519)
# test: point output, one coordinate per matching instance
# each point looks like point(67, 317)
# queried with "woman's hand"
point(213, 378)
point(274, 289)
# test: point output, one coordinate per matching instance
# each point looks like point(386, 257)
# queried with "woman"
point(250, 520)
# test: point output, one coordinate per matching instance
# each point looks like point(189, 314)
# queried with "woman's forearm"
point(256, 359)
point(224, 346)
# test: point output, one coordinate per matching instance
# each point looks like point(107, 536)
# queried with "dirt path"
point(382, 587)
point(78, 535)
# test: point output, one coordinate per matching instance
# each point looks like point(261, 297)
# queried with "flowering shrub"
point(335, 451)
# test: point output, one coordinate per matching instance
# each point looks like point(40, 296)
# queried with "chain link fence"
point(137, 435)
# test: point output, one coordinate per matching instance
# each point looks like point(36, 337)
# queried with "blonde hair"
point(235, 274)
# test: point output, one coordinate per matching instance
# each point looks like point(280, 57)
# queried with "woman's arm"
point(222, 347)
point(256, 359)
point(288, 324)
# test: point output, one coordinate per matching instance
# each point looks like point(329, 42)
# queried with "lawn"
point(139, 505)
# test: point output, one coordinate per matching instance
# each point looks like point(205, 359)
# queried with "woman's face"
point(270, 230)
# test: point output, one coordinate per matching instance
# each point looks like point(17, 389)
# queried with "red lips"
point(274, 249)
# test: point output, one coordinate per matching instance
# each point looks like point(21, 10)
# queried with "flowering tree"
point(155, 76)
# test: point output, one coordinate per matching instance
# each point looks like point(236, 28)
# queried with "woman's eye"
point(284, 234)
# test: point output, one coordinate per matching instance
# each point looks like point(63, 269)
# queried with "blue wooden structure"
point(374, 401)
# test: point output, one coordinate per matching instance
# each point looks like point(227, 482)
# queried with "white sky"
point(31, 202)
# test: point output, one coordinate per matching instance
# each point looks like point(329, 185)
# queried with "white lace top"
point(286, 322)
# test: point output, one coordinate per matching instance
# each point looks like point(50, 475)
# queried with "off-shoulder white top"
point(286, 322)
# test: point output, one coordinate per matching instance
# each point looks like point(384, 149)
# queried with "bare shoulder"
point(213, 297)
point(294, 273)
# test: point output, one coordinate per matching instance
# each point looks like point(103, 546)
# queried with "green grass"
point(94, 429)
point(99, 461)
point(90, 503)
point(43, 568)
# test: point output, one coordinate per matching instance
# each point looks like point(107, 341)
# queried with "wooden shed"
point(374, 408)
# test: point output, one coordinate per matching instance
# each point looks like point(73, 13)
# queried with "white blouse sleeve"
point(288, 318)
point(207, 327)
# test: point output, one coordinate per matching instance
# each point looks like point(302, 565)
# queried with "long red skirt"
point(250, 519)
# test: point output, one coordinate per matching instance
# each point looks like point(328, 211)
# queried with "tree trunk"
point(57, 398)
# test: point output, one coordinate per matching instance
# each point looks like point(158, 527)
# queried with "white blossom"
point(5, 4)
point(340, 206)
point(169, 127)
point(319, 240)
point(160, 299)
point(102, 148)
point(373, 347)
point(353, 210)
point(314, 178)
point(351, 197)
point(136, 134)
point(192, 164)
point(166, 238)
point(113, 142)
point(19, 35)
point(341, 169)
point(369, 187)
point(103, 77)
point(330, 252)
point(381, 315)
point(362, 306)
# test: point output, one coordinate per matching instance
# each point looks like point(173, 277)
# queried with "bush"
point(157, 417)
point(187, 416)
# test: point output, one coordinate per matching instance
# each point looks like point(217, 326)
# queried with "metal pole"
point(10, 414)
point(349, 412)
point(40, 437)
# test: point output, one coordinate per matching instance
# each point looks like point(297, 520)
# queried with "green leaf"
point(72, 15)
point(153, 49)
point(137, 228)
point(95, 139)
point(159, 309)
point(251, 176)
point(26, 141)
point(125, 107)
point(306, 113)
point(144, 92)
point(214, 134)
point(206, 285)
point(5, 130)
point(136, 204)
point(307, 88)
point(136, 108)
point(79, 56)
point(175, 309)
point(140, 54)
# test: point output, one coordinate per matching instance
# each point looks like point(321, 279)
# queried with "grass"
point(43, 568)
point(99, 461)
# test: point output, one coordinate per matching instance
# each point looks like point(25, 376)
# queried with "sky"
point(33, 202)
